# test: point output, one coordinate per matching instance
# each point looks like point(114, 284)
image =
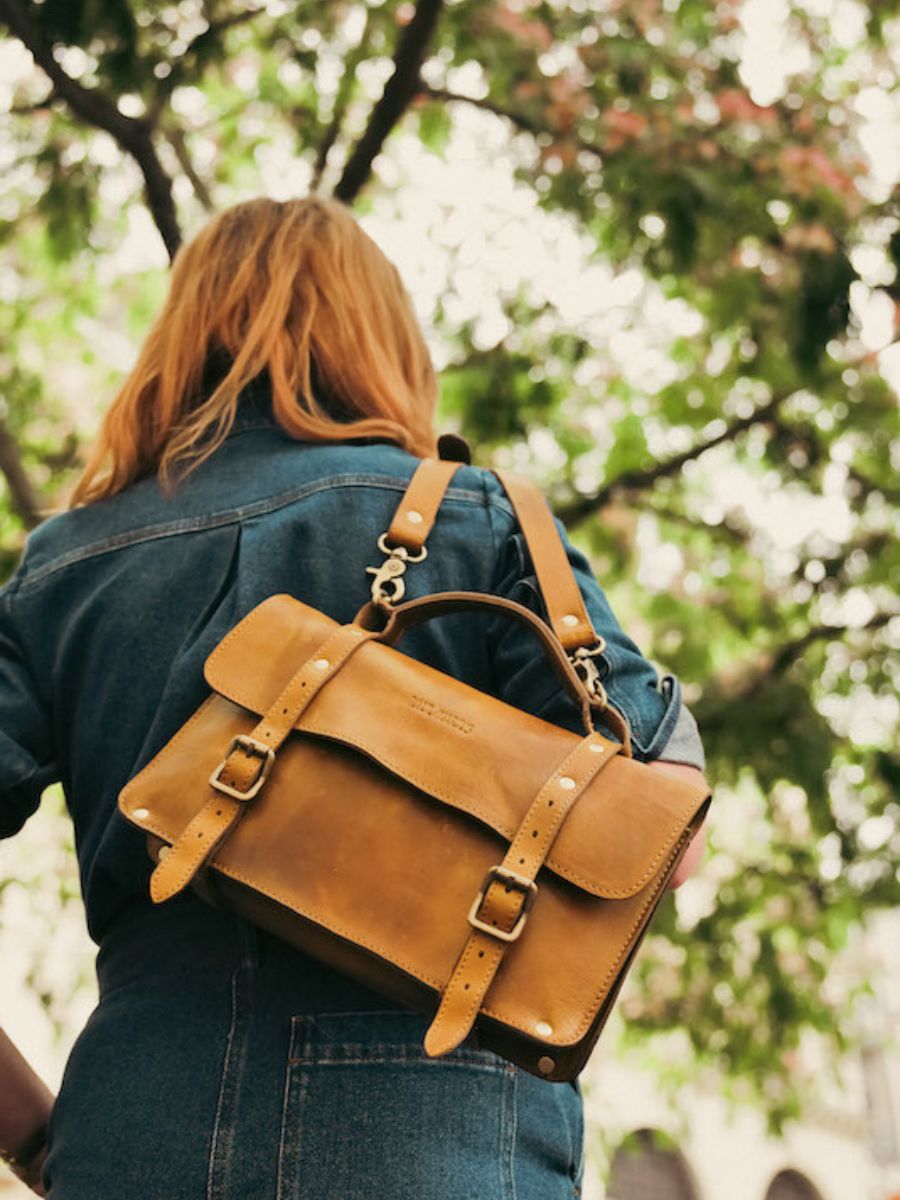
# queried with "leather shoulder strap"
point(568, 616)
point(565, 605)
point(416, 512)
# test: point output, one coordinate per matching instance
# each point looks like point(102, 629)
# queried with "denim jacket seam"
point(248, 512)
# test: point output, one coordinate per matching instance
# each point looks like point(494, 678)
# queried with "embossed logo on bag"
point(429, 709)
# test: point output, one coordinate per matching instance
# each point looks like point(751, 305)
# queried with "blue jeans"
point(220, 1064)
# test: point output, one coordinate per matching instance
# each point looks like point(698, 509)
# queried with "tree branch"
point(22, 495)
point(341, 101)
point(748, 677)
point(396, 97)
point(578, 510)
point(132, 134)
point(176, 140)
point(519, 119)
point(180, 66)
point(791, 651)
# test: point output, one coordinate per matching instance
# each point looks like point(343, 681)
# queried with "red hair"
point(296, 289)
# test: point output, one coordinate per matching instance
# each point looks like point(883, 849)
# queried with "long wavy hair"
point(293, 289)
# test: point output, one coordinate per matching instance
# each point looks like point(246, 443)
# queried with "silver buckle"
point(528, 886)
point(255, 749)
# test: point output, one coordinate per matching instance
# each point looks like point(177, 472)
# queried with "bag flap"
point(460, 746)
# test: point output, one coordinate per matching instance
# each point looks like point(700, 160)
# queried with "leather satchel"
point(463, 857)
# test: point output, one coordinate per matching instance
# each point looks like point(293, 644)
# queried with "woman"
point(276, 412)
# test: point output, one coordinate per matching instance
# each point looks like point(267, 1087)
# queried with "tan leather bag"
point(461, 856)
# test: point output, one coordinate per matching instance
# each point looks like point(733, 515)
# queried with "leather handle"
point(416, 612)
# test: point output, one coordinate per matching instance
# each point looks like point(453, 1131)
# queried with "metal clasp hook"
point(588, 672)
point(388, 586)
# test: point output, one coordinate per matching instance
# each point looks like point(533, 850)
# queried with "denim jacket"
point(105, 626)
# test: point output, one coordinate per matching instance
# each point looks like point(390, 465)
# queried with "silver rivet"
point(570, 619)
point(545, 1064)
point(544, 1028)
point(414, 518)
point(163, 852)
point(141, 814)
point(566, 782)
point(321, 664)
point(595, 749)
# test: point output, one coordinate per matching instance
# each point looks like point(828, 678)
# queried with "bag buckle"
point(254, 749)
point(588, 672)
point(526, 885)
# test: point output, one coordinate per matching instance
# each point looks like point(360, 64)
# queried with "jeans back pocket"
point(369, 1115)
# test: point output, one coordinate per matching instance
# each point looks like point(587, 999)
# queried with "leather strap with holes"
point(502, 903)
point(221, 812)
point(418, 509)
point(565, 604)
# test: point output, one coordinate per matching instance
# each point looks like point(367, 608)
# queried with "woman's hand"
point(25, 1104)
point(694, 854)
point(31, 1174)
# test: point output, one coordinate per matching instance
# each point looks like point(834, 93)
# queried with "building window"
point(645, 1169)
point(791, 1185)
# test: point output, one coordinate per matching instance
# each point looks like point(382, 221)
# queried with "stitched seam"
point(488, 971)
point(294, 1134)
point(186, 525)
point(205, 846)
point(202, 849)
point(508, 1162)
point(220, 1102)
point(563, 810)
point(400, 1059)
point(283, 1133)
point(474, 810)
point(490, 968)
point(311, 726)
point(415, 971)
point(613, 970)
point(434, 790)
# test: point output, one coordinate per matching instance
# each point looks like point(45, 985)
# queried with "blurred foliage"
point(632, 121)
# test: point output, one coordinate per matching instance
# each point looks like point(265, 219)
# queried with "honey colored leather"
point(422, 499)
point(559, 587)
point(505, 896)
point(492, 763)
point(396, 763)
point(426, 608)
point(217, 817)
point(380, 758)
